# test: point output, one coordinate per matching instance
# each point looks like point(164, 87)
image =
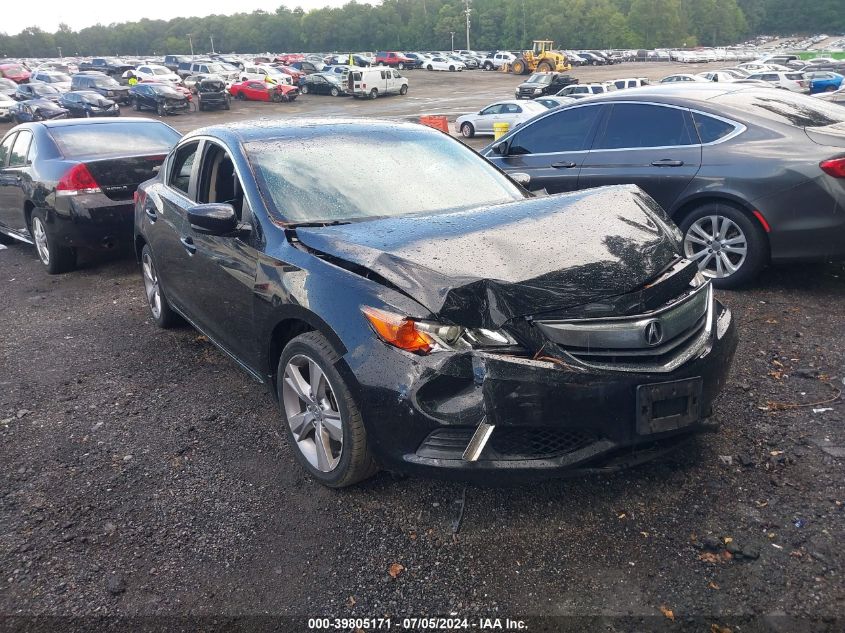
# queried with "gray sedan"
point(750, 175)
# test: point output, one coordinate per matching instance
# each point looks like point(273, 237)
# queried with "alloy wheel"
point(151, 285)
point(312, 413)
point(717, 244)
point(41, 245)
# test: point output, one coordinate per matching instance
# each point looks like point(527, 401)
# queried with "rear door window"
point(640, 125)
point(6, 149)
point(20, 149)
point(711, 129)
point(565, 131)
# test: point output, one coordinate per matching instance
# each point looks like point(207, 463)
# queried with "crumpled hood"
point(485, 266)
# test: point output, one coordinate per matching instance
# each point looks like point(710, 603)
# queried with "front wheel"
point(304, 90)
point(373, 93)
point(241, 96)
point(135, 105)
point(335, 92)
point(451, 69)
point(728, 246)
point(162, 313)
point(400, 66)
point(321, 418)
point(403, 90)
point(467, 130)
point(160, 110)
point(429, 67)
point(57, 258)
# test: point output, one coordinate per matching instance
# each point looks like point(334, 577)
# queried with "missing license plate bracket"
point(668, 406)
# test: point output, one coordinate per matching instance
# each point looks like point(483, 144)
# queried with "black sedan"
point(36, 110)
point(321, 84)
point(160, 98)
point(451, 325)
point(69, 184)
point(36, 90)
point(751, 175)
point(87, 103)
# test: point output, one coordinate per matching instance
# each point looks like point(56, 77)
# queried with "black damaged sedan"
point(452, 324)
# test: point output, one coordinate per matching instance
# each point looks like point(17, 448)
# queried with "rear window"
point(131, 137)
point(794, 76)
point(785, 108)
point(710, 129)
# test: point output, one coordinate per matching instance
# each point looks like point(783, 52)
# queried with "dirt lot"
point(145, 474)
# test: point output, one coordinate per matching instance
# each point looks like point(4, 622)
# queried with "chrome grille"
point(656, 341)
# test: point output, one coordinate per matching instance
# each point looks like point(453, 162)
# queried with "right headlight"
point(425, 337)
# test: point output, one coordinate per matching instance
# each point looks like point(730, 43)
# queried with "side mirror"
point(214, 218)
point(522, 178)
point(501, 148)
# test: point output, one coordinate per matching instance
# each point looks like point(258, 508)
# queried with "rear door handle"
point(188, 243)
point(151, 214)
point(564, 164)
point(667, 162)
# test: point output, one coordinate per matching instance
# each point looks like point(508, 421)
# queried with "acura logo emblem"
point(653, 333)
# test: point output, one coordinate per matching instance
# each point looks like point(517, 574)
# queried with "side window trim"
point(28, 148)
point(12, 138)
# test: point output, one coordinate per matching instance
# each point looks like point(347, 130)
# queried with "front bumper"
point(550, 419)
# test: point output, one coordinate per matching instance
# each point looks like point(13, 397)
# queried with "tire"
point(241, 96)
point(277, 98)
point(88, 114)
point(227, 105)
point(373, 94)
point(57, 258)
point(163, 315)
point(403, 90)
point(160, 110)
point(830, 89)
point(488, 65)
point(335, 92)
point(451, 69)
point(400, 66)
point(354, 462)
point(135, 105)
point(304, 89)
point(200, 106)
point(738, 230)
point(429, 67)
point(467, 130)
point(544, 67)
point(518, 67)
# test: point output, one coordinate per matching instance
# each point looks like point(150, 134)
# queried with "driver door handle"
point(188, 243)
point(564, 164)
point(668, 162)
point(151, 214)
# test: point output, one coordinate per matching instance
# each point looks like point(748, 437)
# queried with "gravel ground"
point(146, 475)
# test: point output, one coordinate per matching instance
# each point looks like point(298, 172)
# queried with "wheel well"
point(28, 206)
point(740, 205)
point(140, 242)
point(284, 332)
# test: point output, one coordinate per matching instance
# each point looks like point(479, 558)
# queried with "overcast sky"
point(48, 14)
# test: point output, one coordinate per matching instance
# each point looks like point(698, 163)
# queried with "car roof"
point(56, 123)
point(272, 129)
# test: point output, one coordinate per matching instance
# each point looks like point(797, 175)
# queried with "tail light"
point(77, 179)
point(834, 167)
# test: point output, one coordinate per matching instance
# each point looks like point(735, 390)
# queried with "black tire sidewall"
point(315, 346)
point(62, 258)
point(757, 256)
point(471, 128)
point(168, 318)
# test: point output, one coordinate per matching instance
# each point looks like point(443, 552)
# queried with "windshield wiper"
point(300, 225)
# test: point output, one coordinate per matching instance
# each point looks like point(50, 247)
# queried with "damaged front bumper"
point(548, 416)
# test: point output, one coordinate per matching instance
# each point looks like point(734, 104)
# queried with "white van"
point(373, 82)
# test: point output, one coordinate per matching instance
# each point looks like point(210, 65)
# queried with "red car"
point(293, 72)
point(289, 58)
point(392, 58)
point(178, 87)
point(259, 91)
point(16, 72)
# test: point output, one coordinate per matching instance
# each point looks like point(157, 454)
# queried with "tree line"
point(430, 25)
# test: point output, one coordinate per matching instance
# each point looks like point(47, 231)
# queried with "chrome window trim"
point(739, 128)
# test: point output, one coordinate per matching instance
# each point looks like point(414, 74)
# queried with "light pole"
point(468, 11)
point(191, 42)
point(211, 37)
point(452, 33)
point(59, 48)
